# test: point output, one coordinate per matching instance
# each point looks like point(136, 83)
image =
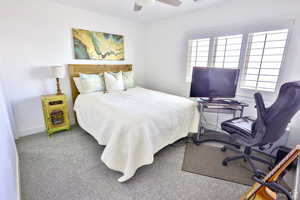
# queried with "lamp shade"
point(145, 2)
point(58, 71)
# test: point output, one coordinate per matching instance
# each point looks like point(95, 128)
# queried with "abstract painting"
point(97, 46)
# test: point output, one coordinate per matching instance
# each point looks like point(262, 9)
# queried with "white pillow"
point(113, 81)
point(77, 84)
point(128, 78)
point(91, 83)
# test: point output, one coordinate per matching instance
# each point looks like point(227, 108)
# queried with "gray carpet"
point(67, 166)
point(207, 160)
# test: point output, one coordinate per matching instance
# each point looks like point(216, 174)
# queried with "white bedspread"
point(134, 124)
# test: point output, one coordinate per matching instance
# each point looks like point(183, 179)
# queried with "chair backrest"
point(277, 117)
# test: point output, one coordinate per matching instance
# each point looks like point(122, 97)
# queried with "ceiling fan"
point(140, 3)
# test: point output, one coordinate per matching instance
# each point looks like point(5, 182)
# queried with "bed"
point(134, 124)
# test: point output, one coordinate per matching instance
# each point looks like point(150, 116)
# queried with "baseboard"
point(18, 177)
point(37, 129)
point(30, 131)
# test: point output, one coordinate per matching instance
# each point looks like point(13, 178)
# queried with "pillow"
point(113, 81)
point(77, 84)
point(91, 83)
point(128, 78)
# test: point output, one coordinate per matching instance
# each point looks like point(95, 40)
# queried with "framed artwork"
point(97, 46)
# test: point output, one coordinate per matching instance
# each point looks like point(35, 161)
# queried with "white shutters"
point(262, 56)
point(224, 52)
point(263, 59)
point(200, 50)
point(227, 51)
point(198, 55)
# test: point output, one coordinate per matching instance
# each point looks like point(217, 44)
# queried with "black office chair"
point(270, 125)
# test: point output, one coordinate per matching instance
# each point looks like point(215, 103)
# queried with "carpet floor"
point(67, 166)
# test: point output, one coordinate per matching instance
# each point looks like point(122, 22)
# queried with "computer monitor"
point(214, 82)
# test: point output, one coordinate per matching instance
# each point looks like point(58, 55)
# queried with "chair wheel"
point(224, 163)
point(223, 149)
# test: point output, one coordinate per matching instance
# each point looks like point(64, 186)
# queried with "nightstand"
point(56, 114)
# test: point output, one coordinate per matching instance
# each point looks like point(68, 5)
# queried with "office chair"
point(270, 125)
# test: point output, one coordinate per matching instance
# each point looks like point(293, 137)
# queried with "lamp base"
point(58, 90)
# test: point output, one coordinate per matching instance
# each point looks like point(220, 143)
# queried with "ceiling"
point(124, 8)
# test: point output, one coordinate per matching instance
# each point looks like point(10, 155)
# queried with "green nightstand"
point(56, 116)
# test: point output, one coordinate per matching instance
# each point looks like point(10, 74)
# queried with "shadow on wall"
point(29, 116)
point(28, 109)
point(48, 82)
point(44, 75)
point(41, 72)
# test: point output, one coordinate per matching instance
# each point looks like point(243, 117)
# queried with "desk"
point(216, 107)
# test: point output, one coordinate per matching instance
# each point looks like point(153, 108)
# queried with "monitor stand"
point(204, 135)
point(221, 101)
point(212, 100)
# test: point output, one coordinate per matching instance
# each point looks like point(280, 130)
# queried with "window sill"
point(255, 90)
point(248, 93)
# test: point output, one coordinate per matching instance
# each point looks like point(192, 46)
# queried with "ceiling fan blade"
point(171, 2)
point(137, 7)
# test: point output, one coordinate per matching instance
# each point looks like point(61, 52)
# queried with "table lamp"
point(58, 73)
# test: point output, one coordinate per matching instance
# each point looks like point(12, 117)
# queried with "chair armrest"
point(260, 106)
point(260, 125)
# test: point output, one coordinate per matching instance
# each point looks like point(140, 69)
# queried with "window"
point(198, 55)
point(227, 51)
point(224, 52)
point(263, 59)
point(200, 50)
point(261, 52)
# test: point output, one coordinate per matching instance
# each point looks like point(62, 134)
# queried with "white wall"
point(9, 170)
point(167, 41)
point(35, 35)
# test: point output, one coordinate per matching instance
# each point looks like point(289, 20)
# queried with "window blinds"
point(263, 59)
point(227, 51)
point(198, 55)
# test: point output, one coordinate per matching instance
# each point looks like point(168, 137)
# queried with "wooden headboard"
point(76, 69)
